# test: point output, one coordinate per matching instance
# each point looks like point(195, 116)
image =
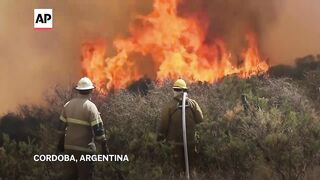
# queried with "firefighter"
point(81, 126)
point(170, 126)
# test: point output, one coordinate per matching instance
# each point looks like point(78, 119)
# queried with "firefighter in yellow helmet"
point(170, 126)
point(81, 126)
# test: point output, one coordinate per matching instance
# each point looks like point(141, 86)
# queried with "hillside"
point(273, 134)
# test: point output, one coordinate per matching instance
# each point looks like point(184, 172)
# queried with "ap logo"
point(43, 19)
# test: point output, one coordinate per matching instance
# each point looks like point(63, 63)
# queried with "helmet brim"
point(84, 88)
point(180, 88)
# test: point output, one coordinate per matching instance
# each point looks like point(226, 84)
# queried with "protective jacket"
point(170, 125)
point(83, 124)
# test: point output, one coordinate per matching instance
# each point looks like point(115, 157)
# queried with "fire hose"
point(184, 128)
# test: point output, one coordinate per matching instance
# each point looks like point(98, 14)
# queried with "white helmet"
point(84, 84)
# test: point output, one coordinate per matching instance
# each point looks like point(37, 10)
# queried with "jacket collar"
point(84, 96)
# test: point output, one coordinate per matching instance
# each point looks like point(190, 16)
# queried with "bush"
point(256, 128)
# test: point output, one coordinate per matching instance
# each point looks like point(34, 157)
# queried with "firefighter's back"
point(79, 133)
point(175, 124)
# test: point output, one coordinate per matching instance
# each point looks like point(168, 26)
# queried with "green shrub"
point(275, 137)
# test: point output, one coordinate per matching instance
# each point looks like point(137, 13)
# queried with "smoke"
point(296, 33)
point(231, 20)
point(32, 61)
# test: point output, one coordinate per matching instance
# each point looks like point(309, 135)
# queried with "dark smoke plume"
point(232, 19)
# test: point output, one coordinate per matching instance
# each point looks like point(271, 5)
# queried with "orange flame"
point(162, 46)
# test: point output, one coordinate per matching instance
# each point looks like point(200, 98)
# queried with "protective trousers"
point(82, 170)
point(178, 156)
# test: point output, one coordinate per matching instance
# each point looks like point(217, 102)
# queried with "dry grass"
point(276, 138)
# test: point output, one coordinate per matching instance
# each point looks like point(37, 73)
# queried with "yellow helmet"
point(180, 84)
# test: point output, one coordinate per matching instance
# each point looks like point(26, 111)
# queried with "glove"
point(104, 147)
point(92, 146)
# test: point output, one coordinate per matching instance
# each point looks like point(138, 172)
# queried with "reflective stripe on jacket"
point(83, 124)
